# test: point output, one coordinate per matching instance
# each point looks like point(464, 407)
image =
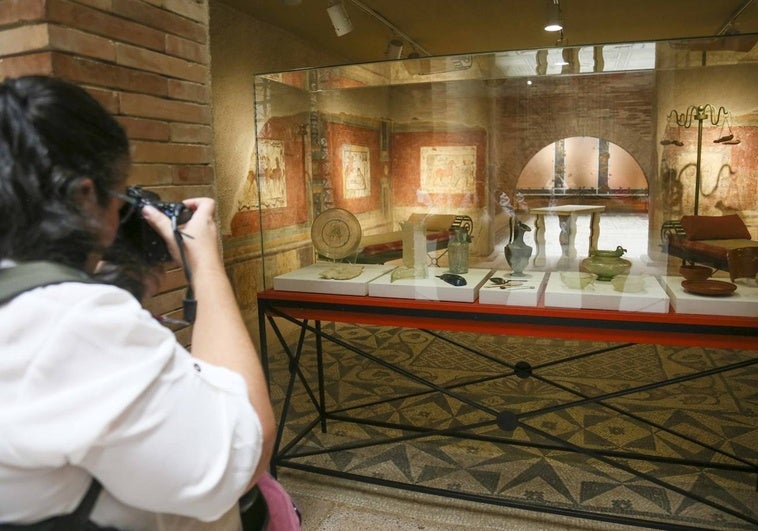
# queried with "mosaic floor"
point(530, 430)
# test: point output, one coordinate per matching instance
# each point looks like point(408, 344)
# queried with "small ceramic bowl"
point(628, 283)
point(695, 272)
point(577, 279)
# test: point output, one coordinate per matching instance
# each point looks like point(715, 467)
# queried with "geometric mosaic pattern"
point(666, 436)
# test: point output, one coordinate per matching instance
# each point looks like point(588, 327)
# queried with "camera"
point(134, 233)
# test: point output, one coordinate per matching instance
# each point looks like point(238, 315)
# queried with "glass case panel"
point(571, 155)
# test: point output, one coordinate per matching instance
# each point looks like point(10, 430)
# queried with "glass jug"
point(458, 251)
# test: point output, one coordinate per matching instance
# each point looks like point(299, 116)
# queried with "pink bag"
point(282, 513)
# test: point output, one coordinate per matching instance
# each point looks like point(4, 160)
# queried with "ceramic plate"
point(336, 233)
point(714, 288)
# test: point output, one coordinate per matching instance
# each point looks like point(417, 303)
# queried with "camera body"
point(136, 235)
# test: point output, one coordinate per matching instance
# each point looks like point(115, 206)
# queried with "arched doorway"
point(592, 168)
point(591, 171)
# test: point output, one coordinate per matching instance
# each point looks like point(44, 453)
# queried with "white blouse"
point(90, 383)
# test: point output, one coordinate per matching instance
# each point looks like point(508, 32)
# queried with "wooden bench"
point(381, 248)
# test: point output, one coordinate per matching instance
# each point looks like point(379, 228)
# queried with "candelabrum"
point(700, 114)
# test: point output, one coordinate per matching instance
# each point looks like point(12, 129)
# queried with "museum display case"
point(351, 159)
point(409, 369)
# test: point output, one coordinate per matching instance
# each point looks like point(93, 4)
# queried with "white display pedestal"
point(602, 296)
point(431, 287)
point(520, 294)
point(308, 280)
point(743, 302)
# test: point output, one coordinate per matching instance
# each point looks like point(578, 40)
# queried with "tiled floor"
point(334, 504)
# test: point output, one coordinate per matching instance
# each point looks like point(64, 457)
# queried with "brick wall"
point(148, 62)
point(528, 118)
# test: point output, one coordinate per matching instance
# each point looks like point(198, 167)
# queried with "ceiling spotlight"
point(394, 49)
point(554, 16)
point(340, 19)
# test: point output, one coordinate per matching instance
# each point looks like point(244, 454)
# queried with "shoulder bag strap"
point(79, 519)
point(28, 275)
point(14, 281)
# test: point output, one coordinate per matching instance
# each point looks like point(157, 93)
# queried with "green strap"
point(29, 275)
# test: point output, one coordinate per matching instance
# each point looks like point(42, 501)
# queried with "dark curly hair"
point(52, 135)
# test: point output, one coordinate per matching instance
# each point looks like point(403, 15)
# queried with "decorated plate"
point(336, 233)
point(713, 288)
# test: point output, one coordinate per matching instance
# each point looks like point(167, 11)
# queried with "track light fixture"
point(394, 49)
point(554, 16)
point(395, 30)
point(339, 17)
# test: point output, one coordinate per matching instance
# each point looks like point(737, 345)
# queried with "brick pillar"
point(148, 62)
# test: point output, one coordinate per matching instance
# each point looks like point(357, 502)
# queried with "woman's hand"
point(199, 234)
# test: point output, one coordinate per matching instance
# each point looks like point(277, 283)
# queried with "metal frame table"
point(307, 311)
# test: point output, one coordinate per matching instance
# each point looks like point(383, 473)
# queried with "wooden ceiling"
point(446, 27)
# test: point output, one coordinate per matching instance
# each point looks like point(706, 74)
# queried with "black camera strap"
point(189, 304)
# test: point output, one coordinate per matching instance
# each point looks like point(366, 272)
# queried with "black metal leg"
point(508, 422)
point(320, 370)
